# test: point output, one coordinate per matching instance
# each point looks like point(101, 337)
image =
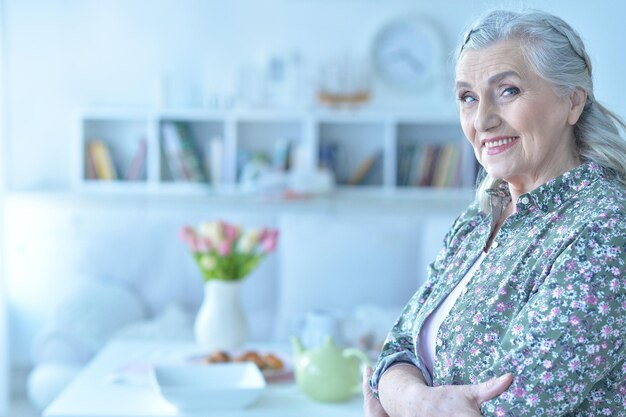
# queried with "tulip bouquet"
point(223, 251)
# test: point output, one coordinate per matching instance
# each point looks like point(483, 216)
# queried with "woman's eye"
point(510, 91)
point(466, 98)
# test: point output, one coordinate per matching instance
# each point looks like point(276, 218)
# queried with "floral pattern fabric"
point(548, 303)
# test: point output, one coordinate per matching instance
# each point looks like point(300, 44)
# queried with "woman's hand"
point(403, 393)
point(371, 405)
point(460, 400)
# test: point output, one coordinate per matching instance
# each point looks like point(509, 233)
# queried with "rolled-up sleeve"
point(570, 335)
point(399, 347)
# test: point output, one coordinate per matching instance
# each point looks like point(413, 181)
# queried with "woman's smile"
point(497, 145)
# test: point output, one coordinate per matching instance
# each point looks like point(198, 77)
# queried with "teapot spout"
point(296, 344)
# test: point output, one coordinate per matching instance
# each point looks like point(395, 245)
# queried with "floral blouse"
point(548, 303)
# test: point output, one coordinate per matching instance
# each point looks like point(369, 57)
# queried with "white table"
point(94, 394)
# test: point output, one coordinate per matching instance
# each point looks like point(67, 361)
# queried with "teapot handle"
point(359, 354)
point(362, 357)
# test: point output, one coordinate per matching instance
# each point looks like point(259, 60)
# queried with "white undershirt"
point(430, 328)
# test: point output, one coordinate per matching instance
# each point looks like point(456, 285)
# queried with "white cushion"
point(85, 320)
point(46, 381)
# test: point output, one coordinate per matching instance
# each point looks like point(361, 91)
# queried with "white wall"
point(4, 371)
point(68, 54)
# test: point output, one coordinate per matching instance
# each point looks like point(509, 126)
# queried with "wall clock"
point(407, 54)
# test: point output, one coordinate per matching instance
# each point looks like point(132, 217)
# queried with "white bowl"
point(216, 386)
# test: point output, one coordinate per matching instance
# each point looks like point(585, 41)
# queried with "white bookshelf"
point(355, 135)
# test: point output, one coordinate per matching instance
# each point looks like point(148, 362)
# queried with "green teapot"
point(326, 372)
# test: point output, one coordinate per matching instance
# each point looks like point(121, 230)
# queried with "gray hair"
point(557, 54)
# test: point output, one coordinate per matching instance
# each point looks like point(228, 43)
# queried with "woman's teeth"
point(498, 142)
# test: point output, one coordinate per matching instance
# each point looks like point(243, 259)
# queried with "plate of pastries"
point(273, 366)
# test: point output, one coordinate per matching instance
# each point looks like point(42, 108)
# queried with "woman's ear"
point(577, 99)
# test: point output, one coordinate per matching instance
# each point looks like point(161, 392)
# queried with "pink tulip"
point(185, 232)
point(221, 226)
point(269, 242)
point(263, 234)
point(188, 236)
point(224, 248)
point(204, 244)
point(231, 232)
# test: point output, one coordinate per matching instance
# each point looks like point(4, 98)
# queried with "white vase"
point(220, 323)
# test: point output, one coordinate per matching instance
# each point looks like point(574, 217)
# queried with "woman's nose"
point(487, 116)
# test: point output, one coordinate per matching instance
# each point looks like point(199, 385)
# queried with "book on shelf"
point(281, 155)
point(182, 159)
point(430, 165)
point(328, 157)
point(137, 169)
point(415, 167)
point(443, 166)
point(102, 160)
point(367, 168)
point(406, 154)
point(90, 165)
point(173, 153)
point(454, 174)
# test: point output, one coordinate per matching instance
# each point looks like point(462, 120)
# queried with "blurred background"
point(340, 101)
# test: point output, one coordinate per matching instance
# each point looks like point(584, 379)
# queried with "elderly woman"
point(523, 312)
